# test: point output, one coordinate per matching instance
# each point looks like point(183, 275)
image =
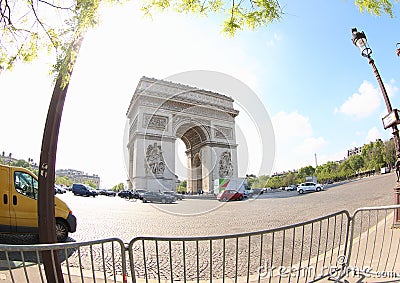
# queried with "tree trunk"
point(47, 166)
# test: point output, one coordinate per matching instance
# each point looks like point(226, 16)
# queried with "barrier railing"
point(331, 246)
point(375, 246)
point(81, 262)
point(294, 253)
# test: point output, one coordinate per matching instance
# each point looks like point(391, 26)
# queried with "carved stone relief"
point(221, 132)
point(225, 165)
point(154, 122)
point(154, 160)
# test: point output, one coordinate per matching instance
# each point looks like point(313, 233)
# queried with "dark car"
point(227, 195)
point(107, 193)
point(157, 197)
point(83, 190)
point(128, 194)
point(174, 194)
point(139, 193)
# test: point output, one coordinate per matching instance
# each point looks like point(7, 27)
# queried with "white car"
point(309, 186)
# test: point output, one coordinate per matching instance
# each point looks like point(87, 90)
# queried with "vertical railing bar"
point(184, 261)
point(24, 266)
point(103, 260)
point(132, 264)
point(211, 262)
point(40, 269)
point(9, 266)
point(319, 245)
point(272, 256)
point(376, 233)
point(197, 259)
point(390, 245)
point(248, 259)
point(359, 236)
point(366, 242)
point(301, 252)
point(236, 258)
point(223, 259)
point(283, 251)
point(144, 261)
point(92, 262)
point(170, 260)
point(291, 259)
point(261, 253)
point(53, 261)
point(383, 241)
point(113, 260)
point(80, 263)
point(326, 244)
point(67, 263)
point(340, 237)
point(309, 255)
point(157, 261)
point(398, 245)
point(333, 240)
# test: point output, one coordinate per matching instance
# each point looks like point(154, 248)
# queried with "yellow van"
point(18, 208)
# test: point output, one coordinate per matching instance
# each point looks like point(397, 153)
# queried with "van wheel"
point(61, 230)
point(301, 191)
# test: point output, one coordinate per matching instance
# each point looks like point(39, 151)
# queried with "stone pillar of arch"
point(161, 112)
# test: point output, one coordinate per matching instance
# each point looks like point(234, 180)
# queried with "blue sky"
point(320, 93)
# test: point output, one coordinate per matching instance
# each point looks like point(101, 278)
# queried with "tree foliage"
point(374, 156)
point(28, 26)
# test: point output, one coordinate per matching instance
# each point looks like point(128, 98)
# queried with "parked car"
point(59, 190)
point(104, 192)
point(139, 193)
point(227, 195)
point(174, 194)
point(157, 197)
point(83, 190)
point(128, 194)
point(248, 193)
point(309, 186)
point(291, 188)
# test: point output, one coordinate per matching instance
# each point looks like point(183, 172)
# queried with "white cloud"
point(363, 103)
point(272, 42)
point(366, 101)
point(309, 146)
point(372, 135)
point(295, 145)
point(291, 125)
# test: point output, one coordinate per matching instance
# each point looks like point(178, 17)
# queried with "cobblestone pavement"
point(106, 217)
point(103, 217)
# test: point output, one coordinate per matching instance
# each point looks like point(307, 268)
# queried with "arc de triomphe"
point(161, 112)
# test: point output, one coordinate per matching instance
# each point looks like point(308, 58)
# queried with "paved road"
point(103, 217)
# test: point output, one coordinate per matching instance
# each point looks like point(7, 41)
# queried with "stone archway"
point(161, 112)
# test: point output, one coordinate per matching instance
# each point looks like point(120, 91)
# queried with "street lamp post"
point(389, 121)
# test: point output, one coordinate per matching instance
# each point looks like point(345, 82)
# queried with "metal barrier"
point(375, 245)
point(103, 260)
point(294, 253)
point(329, 246)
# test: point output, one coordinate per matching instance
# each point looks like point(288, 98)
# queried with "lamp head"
point(360, 40)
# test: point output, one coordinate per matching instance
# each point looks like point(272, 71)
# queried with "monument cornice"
point(191, 96)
